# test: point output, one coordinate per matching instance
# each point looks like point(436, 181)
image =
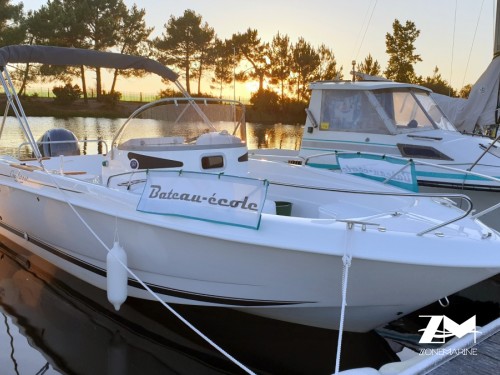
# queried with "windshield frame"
point(197, 108)
point(410, 110)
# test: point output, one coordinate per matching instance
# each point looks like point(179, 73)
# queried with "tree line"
point(193, 47)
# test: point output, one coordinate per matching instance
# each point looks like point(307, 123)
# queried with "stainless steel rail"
point(378, 193)
point(419, 162)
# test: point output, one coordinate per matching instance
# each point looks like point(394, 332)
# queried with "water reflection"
point(77, 332)
point(78, 335)
point(84, 129)
point(17, 356)
point(279, 136)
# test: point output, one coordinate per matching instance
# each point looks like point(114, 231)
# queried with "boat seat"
point(31, 168)
point(26, 167)
point(217, 138)
point(73, 173)
point(136, 143)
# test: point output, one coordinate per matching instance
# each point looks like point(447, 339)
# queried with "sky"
point(455, 35)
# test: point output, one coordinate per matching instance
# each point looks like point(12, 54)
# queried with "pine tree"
point(401, 49)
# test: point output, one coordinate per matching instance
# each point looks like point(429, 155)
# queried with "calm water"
point(52, 323)
point(258, 136)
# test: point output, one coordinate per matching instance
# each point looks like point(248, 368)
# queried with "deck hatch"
point(422, 152)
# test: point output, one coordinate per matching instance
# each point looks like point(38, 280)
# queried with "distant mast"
point(496, 47)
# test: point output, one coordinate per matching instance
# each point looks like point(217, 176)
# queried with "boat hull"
point(193, 233)
point(259, 272)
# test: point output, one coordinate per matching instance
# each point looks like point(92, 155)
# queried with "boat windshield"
point(412, 110)
point(178, 121)
point(382, 111)
point(350, 111)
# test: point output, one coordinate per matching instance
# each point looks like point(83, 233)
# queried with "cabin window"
point(434, 111)
point(350, 111)
point(212, 162)
point(412, 110)
point(422, 152)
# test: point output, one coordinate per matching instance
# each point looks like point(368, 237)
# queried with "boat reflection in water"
point(77, 331)
point(17, 355)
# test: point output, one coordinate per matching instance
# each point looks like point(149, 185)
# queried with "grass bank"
point(44, 107)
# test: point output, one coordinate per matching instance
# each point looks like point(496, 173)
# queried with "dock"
point(485, 361)
point(471, 354)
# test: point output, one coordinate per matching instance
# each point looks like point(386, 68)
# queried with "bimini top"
point(77, 56)
point(363, 85)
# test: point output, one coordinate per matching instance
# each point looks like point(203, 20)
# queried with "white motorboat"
point(352, 126)
point(178, 201)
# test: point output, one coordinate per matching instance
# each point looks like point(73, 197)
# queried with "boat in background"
point(479, 113)
point(362, 127)
point(443, 144)
point(178, 204)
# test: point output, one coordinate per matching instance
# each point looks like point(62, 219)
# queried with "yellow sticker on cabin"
point(324, 126)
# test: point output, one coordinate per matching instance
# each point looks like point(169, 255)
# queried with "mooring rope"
point(452, 47)
point(355, 56)
point(472, 44)
point(153, 294)
point(346, 260)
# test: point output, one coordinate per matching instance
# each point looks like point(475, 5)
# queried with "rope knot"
point(346, 259)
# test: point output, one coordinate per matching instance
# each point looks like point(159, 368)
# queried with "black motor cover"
point(49, 143)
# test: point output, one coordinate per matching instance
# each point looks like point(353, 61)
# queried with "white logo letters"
point(433, 335)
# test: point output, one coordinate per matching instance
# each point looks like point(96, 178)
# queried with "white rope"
point(453, 47)
point(472, 45)
point(366, 29)
point(155, 296)
point(346, 260)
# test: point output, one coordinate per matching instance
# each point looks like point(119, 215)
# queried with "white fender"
point(117, 276)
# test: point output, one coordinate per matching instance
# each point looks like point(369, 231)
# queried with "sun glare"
point(252, 86)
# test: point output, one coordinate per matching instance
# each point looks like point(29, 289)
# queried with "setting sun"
point(252, 86)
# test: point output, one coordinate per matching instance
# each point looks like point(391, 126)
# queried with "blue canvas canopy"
point(77, 57)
